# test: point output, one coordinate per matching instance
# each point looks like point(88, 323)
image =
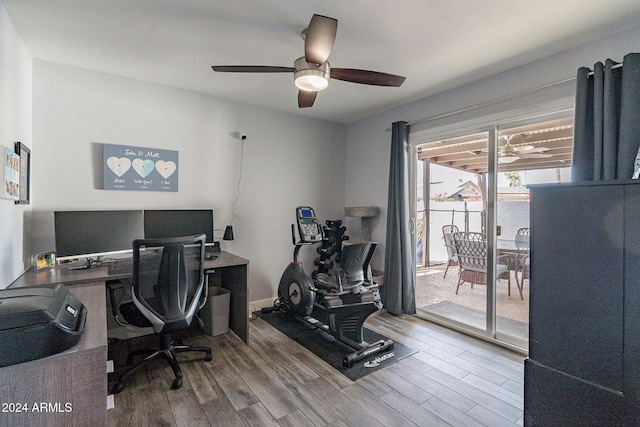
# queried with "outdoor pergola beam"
point(476, 142)
point(476, 146)
point(478, 164)
point(469, 153)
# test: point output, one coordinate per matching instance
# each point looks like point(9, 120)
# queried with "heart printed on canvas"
point(143, 167)
point(119, 165)
point(166, 169)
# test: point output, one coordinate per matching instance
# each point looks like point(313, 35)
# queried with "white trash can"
point(215, 313)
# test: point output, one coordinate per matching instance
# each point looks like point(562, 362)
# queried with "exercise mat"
point(326, 347)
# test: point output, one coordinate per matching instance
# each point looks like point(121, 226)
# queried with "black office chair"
point(167, 290)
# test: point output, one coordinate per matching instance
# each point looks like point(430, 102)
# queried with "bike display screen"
point(308, 226)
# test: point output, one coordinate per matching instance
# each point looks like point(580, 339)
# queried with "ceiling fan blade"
point(366, 77)
point(537, 150)
point(319, 38)
point(523, 148)
point(306, 98)
point(536, 156)
point(251, 69)
point(531, 150)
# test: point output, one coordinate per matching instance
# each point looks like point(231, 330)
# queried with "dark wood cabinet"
point(584, 323)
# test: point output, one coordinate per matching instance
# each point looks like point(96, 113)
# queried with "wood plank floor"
point(452, 380)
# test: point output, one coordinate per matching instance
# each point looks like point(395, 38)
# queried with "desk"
point(227, 270)
point(78, 375)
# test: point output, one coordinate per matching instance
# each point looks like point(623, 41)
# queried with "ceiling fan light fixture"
point(311, 77)
point(508, 158)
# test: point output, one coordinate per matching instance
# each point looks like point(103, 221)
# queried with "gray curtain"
point(398, 292)
point(607, 121)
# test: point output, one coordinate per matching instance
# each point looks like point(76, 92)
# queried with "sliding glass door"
point(476, 183)
point(451, 199)
point(530, 152)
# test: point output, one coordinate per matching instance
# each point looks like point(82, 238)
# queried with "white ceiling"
point(436, 44)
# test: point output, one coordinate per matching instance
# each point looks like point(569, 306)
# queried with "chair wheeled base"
point(168, 349)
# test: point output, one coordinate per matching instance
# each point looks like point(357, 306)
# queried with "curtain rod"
point(495, 101)
point(484, 104)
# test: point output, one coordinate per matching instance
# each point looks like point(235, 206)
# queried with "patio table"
point(513, 249)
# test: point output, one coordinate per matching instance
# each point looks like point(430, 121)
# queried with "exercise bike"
point(337, 304)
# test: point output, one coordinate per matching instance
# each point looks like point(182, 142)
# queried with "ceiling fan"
point(509, 153)
point(311, 72)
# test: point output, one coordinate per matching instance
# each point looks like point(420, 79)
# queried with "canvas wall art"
point(126, 167)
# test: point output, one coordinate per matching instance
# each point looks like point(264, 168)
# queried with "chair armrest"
point(506, 257)
point(205, 293)
point(522, 260)
point(113, 286)
point(340, 277)
point(371, 284)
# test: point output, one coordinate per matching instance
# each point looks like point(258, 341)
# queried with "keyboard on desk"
point(125, 266)
point(121, 267)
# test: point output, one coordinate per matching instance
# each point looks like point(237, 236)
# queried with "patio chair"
point(522, 258)
point(471, 249)
point(523, 268)
point(452, 258)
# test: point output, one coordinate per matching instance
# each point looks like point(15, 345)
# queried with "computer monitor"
point(178, 222)
point(90, 234)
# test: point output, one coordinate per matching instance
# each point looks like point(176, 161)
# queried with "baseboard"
point(259, 305)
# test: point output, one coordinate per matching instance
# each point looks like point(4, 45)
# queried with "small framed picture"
point(45, 260)
point(10, 174)
point(25, 173)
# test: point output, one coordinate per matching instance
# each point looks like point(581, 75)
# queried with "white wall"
point(288, 160)
point(15, 125)
point(368, 142)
